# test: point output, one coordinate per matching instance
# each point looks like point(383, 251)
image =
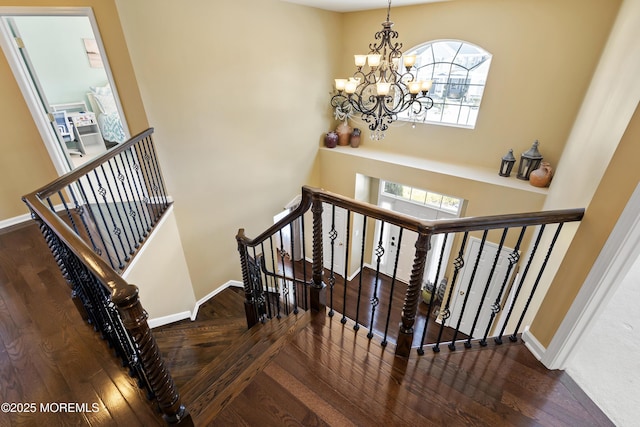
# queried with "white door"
point(337, 221)
point(406, 245)
point(392, 243)
point(479, 283)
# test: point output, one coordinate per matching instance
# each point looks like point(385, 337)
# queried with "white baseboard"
point(14, 221)
point(165, 320)
point(533, 344)
point(213, 293)
point(24, 217)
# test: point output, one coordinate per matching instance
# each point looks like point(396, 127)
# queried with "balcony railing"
point(464, 280)
point(94, 220)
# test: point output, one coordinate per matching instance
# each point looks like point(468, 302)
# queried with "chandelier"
point(380, 88)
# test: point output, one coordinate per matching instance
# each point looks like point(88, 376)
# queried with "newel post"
point(412, 297)
point(158, 378)
point(318, 291)
point(250, 308)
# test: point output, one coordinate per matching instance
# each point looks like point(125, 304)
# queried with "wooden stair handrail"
point(438, 226)
point(123, 295)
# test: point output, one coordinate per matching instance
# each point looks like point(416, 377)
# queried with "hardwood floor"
point(332, 375)
point(323, 373)
point(49, 355)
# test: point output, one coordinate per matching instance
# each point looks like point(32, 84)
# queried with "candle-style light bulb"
point(383, 88)
point(374, 60)
point(409, 61)
point(350, 86)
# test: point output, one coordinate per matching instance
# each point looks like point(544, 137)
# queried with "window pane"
point(393, 188)
point(459, 73)
point(451, 203)
point(434, 199)
point(418, 195)
point(445, 51)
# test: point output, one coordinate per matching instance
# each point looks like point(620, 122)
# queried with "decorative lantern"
point(508, 160)
point(529, 161)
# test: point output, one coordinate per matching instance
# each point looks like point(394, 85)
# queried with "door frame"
point(27, 86)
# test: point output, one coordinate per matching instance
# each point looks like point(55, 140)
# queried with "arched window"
point(459, 72)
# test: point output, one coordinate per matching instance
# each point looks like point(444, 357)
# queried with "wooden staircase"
point(311, 369)
point(228, 355)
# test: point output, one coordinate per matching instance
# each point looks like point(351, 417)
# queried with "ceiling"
point(355, 5)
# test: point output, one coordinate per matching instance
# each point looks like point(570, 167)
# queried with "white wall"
point(606, 364)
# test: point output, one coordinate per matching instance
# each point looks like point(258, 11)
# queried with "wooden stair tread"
point(218, 383)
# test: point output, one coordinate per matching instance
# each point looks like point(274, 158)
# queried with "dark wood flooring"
point(48, 355)
point(354, 298)
point(332, 375)
point(324, 373)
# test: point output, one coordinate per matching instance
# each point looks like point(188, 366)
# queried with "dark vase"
point(355, 138)
point(331, 139)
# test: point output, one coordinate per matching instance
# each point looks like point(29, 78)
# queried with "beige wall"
point(238, 94)
point(619, 182)
point(237, 141)
point(25, 164)
point(544, 54)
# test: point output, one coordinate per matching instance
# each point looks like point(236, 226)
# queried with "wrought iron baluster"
point(293, 268)
point(285, 287)
point(375, 301)
point(258, 290)
point(458, 263)
point(467, 344)
point(66, 210)
point(433, 294)
point(266, 284)
point(120, 178)
point(513, 337)
point(134, 212)
point(140, 191)
point(153, 179)
point(94, 220)
point(343, 320)
point(118, 226)
point(80, 210)
point(102, 192)
point(158, 172)
point(333, 235)
point(393, 285)
point(498, 339)
point(513, 258)
point(452, 345)
point(364, 234)
point(146, 178)
point(276, 283)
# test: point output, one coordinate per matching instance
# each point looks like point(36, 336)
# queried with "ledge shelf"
point(474, 173)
